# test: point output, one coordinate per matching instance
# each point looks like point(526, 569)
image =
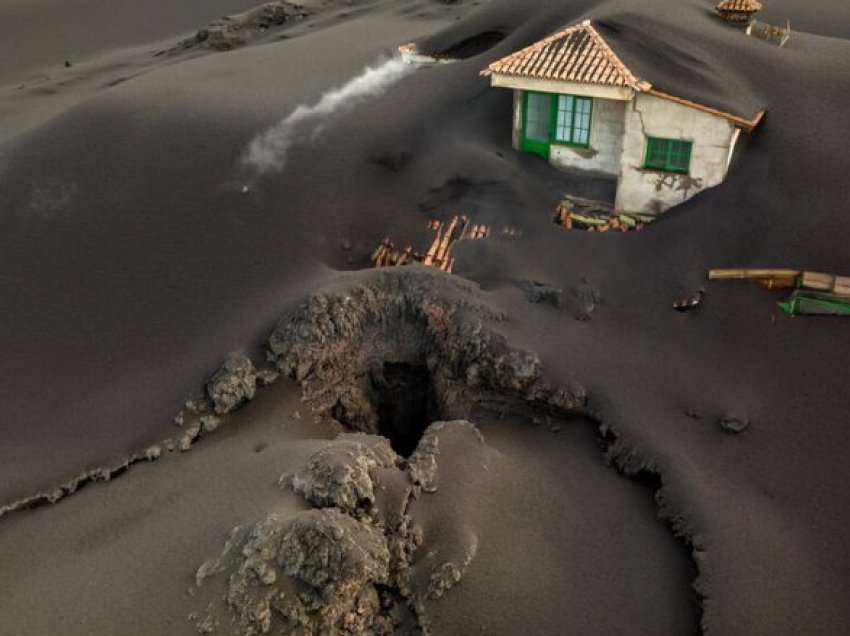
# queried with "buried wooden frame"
point(770, 32)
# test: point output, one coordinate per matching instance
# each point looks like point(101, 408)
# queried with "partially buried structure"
point(739, 12)
point(580, 107)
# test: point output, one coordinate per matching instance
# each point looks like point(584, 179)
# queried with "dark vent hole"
point(405, 403)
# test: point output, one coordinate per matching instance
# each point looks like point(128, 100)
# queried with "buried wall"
point(653, 191)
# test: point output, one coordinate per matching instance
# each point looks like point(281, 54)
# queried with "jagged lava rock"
point(341, 474)
point(232, 384)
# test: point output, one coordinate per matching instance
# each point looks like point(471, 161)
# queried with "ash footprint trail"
point(268, 151)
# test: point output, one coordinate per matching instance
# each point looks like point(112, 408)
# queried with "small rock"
point(197, 405)
point(266, 377)
point(153, 453)
point(232, 384)
point(536, 292)
point(341, 473)
point(210, 423)
point(732, 424)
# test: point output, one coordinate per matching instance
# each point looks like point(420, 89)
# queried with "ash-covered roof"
point(580, 53)
point(744, 6)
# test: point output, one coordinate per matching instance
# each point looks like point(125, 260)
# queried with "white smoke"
point(267, 151)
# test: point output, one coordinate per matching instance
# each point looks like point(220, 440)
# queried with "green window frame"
point(668, 155)
point(566, 120)
point(573, 116)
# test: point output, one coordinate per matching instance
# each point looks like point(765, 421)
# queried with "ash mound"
point(399, 357)
point(393, 350)
point(233, 31)
point(346, 566)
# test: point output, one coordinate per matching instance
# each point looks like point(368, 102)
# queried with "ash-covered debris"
point(91, 476)
point(537, 292)
point(733, 424)
point(230, 32)
point(344, 567)
point(588, 299)
point(333, 552)
point(233, 383)
point(342, 473)
point(340, 344)
point(449, 574)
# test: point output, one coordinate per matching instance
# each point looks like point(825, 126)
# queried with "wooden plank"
point(778, 282)
point(751, 274)
point(444, 244)
point(817, 280)
point(431, 254)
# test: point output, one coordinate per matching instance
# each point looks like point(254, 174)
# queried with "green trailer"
point(804, 302)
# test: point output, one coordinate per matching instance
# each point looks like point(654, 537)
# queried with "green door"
point(536, 123)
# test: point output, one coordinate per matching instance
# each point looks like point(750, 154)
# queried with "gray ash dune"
point(133, 264)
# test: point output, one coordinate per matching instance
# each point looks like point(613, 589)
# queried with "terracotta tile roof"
point(580, 54)
point(747, 6)
point(575, 54)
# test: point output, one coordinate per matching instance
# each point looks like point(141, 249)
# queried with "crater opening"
point(406, 404)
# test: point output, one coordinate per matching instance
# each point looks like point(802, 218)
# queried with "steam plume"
point(267, 151)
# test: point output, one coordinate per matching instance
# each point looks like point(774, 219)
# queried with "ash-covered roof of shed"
point(749, 6)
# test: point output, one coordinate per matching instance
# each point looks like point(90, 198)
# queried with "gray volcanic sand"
point(616, 556)
point(121, 556)
point(132, 264)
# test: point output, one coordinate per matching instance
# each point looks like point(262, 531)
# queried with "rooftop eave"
point(543, 85)
point(747, 125)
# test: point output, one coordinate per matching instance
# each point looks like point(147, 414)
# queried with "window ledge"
point(648, 170)
point(583, 151)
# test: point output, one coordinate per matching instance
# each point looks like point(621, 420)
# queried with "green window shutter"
point(669, 155)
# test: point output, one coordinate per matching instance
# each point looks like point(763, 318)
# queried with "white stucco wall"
point(517, 125)
point(607, 127)
point(652, 191)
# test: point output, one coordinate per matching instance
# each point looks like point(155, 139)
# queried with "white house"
point(577, 105)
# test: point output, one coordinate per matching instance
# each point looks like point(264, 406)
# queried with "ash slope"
point(128, 251)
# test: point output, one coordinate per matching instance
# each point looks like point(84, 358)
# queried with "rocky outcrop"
point(344, 567)
point(337, 343)
point(230, 32)
point(343, 474)
point(233, 383)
